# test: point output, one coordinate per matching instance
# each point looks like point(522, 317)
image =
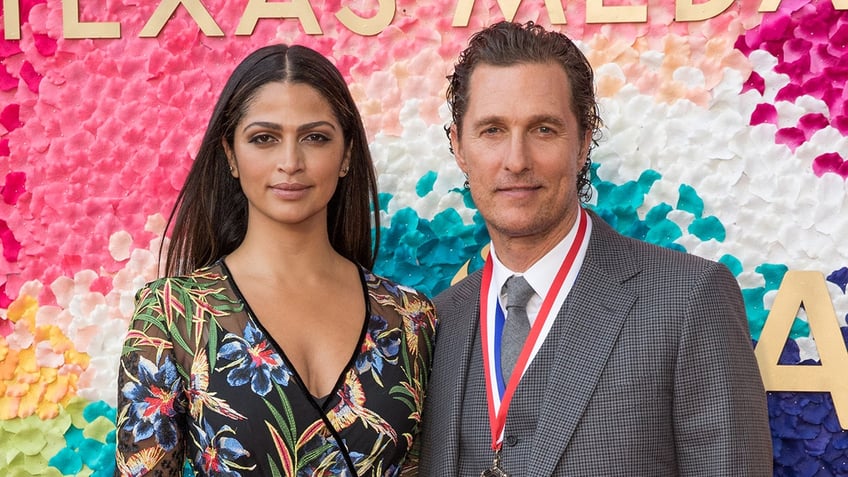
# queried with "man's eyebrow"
point(535, 119)
point(485, 120)
point(547, 118)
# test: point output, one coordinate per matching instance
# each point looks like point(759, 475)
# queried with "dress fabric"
point(200, 381)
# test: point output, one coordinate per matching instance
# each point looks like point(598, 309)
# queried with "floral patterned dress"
point(202, 381)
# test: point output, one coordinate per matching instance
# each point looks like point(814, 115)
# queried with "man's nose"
point(518, 154)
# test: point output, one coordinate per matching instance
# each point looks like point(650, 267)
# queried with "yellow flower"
point(27, 387)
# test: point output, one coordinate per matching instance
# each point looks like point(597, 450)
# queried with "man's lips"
point(519, 188)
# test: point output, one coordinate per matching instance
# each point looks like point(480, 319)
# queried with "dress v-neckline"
point(321, 402)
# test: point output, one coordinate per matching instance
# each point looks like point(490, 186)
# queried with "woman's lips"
point(289, 190)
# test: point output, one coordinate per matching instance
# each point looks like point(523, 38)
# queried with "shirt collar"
point(541, 274)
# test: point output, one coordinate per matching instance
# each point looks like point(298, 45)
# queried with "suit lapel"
point(592, 317)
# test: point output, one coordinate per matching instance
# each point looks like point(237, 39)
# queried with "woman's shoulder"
point(181, 299)
point(403, 300)
point(380, 283)
point(202, 281)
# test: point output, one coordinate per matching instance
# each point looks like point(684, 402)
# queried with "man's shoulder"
point(613, 249)
point(463, 293)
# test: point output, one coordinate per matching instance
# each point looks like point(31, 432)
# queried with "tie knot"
point(518, 292)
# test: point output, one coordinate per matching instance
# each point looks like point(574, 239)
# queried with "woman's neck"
point(286, 252)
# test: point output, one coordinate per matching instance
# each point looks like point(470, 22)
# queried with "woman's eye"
point(315, 137)
point(262, 139)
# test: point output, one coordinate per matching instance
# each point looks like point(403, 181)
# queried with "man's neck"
point(519, 256)
point(520, 253)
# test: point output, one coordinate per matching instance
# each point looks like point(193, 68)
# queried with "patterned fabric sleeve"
point(424, 320)
point(151, 384)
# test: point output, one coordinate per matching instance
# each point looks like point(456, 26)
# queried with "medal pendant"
point(495, 470)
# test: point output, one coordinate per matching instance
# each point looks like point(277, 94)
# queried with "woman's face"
point(288, 154)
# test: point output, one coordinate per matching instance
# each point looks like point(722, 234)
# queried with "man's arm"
point(720, 413)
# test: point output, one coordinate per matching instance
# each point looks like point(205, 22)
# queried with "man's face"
point(521, 149)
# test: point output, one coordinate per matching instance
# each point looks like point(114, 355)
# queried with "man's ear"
point(457, 151)
point(231, 158)
point(584, 149)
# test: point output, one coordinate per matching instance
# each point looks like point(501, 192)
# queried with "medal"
point(495, 470)
point(498, 404)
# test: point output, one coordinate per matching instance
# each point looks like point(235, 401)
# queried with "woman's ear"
point(345, 162)
point(231, 158)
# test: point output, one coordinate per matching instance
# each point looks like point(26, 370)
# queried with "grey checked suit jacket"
point(649, 371)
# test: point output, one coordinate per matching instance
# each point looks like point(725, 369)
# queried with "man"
point(630, 359)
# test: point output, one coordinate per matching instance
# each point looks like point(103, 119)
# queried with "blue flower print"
point(154, 402)
point(253, 360)
point(380, 345)
point(331, 461)
point(217, 453)
point(392, 471)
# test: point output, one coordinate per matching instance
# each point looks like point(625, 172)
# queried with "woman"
point(271, 349)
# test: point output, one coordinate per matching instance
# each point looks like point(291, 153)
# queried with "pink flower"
point(764, 113)
point(808, 41)
point(831, 162)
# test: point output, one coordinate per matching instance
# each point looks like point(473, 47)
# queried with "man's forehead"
point(496, 68)
point(535, 90)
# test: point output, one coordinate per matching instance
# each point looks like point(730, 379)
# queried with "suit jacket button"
point(511, 441)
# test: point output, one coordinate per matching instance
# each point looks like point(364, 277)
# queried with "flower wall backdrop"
point(726, 138)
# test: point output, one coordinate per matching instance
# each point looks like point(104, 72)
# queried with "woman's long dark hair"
point(210, 215)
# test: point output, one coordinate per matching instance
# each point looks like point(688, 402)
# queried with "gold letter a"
point(810, 290)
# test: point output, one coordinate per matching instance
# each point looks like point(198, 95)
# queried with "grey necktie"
point(517, 326)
